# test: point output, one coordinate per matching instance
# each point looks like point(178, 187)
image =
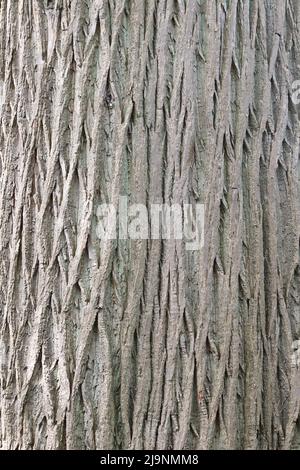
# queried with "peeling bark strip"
point(141, 344)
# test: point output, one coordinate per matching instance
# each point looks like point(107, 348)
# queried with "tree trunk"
point(143, 344)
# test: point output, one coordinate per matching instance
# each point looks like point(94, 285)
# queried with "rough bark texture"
point(141, 344)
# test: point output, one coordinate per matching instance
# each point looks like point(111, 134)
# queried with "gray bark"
point(141, 344)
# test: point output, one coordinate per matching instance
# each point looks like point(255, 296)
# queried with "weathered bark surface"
point(141, 344)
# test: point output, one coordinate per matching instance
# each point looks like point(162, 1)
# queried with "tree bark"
point(141, 344)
